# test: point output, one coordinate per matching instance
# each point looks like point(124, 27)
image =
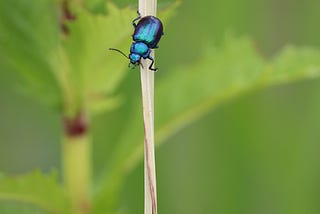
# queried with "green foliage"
point(191, 91)
point(27, 43)
point(75, 71)
point(293, 64)
point(65, 71)
point(225, 72)
point(34, 188)
point(94, 71)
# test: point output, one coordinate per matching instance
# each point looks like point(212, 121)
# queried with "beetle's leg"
point(140, 64)
point(136, 19)
point(152, 62)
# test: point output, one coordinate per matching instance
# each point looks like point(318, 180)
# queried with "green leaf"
point(27, 42)
point(99, 105)
point(72, 70)
point(191, 91)
point(92, 69)
point(37, 189)
point(222, 74)
point(292, 64)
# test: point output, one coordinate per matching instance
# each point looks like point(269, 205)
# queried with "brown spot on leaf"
point(66, 15)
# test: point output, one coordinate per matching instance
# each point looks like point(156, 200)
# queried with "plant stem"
point(148, 7)
point(76, 164)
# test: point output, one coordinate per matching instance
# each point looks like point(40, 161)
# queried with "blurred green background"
point(255, 154)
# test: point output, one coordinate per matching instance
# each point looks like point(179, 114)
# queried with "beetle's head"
point(134, 58)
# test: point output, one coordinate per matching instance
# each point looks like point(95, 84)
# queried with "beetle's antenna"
point(113, 49)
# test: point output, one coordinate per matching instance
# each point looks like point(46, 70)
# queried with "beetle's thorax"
point(140, 48)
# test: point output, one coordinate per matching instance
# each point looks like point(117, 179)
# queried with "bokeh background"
point(257, 153)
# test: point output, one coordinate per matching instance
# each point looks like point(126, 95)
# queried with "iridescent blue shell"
point(149, 31)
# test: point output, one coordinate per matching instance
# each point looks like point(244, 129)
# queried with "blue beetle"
point(146, 36)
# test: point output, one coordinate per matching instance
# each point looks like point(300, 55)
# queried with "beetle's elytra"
point(149, 31)
point(146, 36)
